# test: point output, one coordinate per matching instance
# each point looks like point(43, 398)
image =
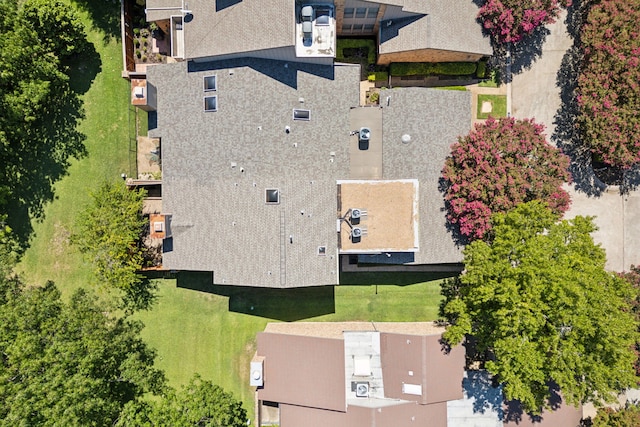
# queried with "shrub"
point(627, 417)
point(509, 20)
point(609, 82)
point(378, 76)
point(369, 44)
point(481, 71)
point(432, 68)
point(498, 165)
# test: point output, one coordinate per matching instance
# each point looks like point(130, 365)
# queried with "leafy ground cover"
point(498, 106)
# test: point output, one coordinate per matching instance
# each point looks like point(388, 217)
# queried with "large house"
point(273, 173)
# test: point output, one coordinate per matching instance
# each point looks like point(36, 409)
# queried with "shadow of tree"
point(104, 14)
point(54, 139)
point(523, 54)
point(514, 413)
point(567, 135)
point(487, 397)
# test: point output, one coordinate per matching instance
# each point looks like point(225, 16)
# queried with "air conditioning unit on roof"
point(362, 390)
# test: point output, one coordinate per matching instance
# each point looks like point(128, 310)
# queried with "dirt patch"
point(61, 239)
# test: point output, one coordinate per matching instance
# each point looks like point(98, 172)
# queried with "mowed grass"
point(106, 126)
point(498, 105)
point(210, 332)
point(215, 333)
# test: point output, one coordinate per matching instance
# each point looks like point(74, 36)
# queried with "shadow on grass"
point(397, 278)
point(48, 145)
point(280, 304)
point(105, 15)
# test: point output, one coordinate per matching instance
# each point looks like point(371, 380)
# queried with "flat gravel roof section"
point(390, 216)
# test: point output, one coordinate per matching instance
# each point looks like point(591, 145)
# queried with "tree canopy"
point(609, 82)
point(508, 21)
point(39, 111)
point(109, 233)
point(498, 165)
point(68, 363)
point(543, 310)
point(200, 403)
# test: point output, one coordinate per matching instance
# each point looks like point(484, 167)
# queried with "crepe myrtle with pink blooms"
point(508, 21)
point(498, 165)
point(608, 92)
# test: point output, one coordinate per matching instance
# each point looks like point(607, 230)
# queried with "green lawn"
point(498, 106)
point(210, 332)
point(106, 127)
point(214, 334)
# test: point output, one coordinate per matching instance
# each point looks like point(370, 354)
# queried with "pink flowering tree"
point(509, 20)
point(609, 82)
point(498, 165)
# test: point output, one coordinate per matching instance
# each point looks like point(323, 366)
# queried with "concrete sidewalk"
point(535, 94)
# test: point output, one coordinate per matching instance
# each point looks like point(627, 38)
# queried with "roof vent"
point(406, 138)
point(256, 379)
point(272, 196)
point(362, 389)
point(299, 114)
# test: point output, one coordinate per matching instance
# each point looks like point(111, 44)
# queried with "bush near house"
point(508, 21)
point(378, 76)
point(365, 44)
point(497, 166)
point(609, 82)
point(626, 417)
point(432, 68)
point(481, 71)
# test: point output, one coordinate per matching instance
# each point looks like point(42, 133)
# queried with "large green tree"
point(200, 403)
point(39, 111)
point(71, 364)
point(543, 310)
point(109, 233)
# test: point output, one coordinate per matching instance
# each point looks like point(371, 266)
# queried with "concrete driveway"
point(535, 94)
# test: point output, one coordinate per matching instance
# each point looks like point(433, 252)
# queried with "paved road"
point(535, 94)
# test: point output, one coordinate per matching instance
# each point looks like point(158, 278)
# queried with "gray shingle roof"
point(225, 27)
point(220, 220)
point(433, 119)
point(439, 24)
point(217, 165)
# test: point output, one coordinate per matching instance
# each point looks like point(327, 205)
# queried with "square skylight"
point(210, 83)
point(301, 114)
point(272, 196)
point(211, 103)
point(322, 250)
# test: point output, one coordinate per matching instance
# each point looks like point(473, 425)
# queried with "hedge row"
point(431, 69)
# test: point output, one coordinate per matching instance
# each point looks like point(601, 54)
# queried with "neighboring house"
point(407, 30)
point(355, 374)
point(378, 374)
point(267, 179)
